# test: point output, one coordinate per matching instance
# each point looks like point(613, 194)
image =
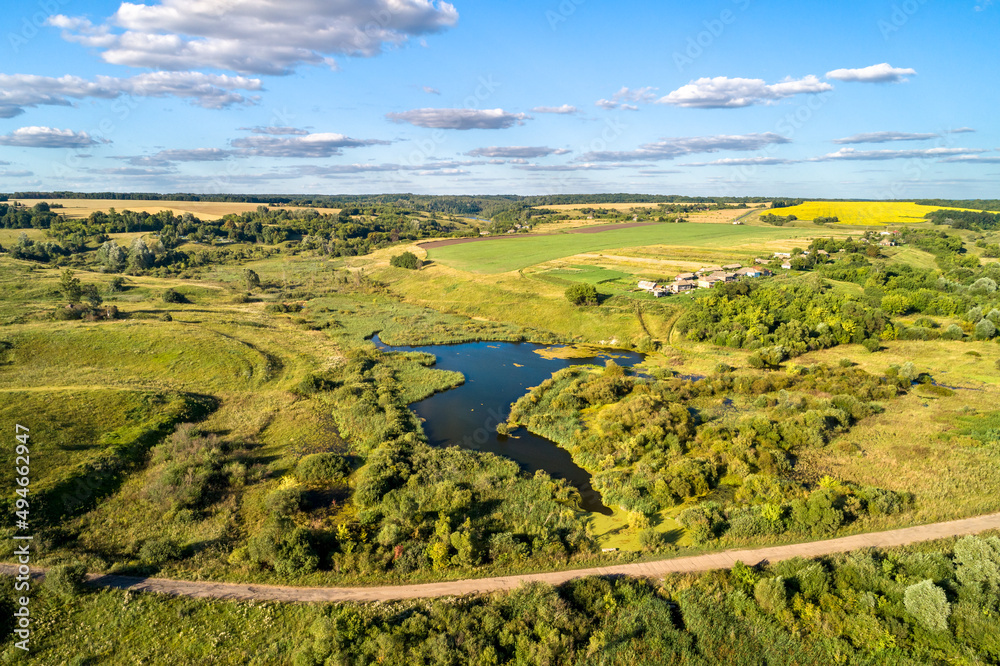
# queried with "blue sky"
point(879, 99)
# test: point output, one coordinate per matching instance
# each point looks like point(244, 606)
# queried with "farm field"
point(510, 254)
point(206, 210)
point(861, 212)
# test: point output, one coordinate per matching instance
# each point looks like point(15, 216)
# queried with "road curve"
point(723, 560)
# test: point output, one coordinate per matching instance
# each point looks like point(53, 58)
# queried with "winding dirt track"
point(724, 560)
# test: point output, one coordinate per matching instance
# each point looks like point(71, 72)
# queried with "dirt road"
point(723, 560)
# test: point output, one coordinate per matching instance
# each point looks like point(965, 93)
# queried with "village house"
point(647, 285)
point(731, 267)
point(685, 276)
point(708, 281)
point(888, 242)
point(752, 272)
point(710, 269)
point(682, 286)
point(758, 260)
point(783, 255)
point(787, 265)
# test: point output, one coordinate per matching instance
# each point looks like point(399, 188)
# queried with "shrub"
point(582, 294)
point(873, 345)
point(771, 594)
point(953, 332)
point(928, 603)
point(173, 296)
point(166, 317)
point(322, 467)
point(159, 550)
point(284, 501)
point(66, 580)
point(985, 330)
point(406, 260)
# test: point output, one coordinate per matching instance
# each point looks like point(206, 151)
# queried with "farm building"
point(783, 255)
point(731, 267)
point(709, 281)
point(685, 276)
point(710, 269)
point(752, 272)
point(682, 286)
point(647, 285)
point(787, 265)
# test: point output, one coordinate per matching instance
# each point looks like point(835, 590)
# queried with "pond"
point(496, 375)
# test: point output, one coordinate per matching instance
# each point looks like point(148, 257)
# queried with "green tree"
point(406, 260)
point(92, 295)
point(139, 256)
point(112, 257)
point(582, 294)
point(251, 279)
point(70, 286)
point(928, 603)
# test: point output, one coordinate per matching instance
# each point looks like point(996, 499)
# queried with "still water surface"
point(496, 375)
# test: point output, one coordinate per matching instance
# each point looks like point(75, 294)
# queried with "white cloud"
point(311, 145)
point(567, 167)
point(885, 137)
point(881, 73)
point(973, 159)
point(461, 119)
point(725, 93)
point(670, 148)
point(166, 157)
point(213, 91)
point(47, 137)
point(516, 151)
point(431, 91)
point(563, 110)
point(961, 130)
point(637, 95)
point(277, 131)
point(743, 161)
point(262, 36)
point(4, 173)
point(877, 155)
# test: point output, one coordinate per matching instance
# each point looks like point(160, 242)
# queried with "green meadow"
point(510, 254)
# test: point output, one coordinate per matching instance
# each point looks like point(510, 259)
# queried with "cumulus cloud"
point(885, 137)
point(881, 73)
point(514, 152)
point(277, 131)
point(310, 145)
point(723, 92)
point(565, 109)
point(261, 37)
point(673, 147)
point(213, 91)
point(47, 137)
point(621, 99)
point(878, 155)
point(460, 119)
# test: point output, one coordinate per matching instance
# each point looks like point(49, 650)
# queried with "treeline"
point(38, 216)
point(654, 444)
point(965, 219)
point(975, 204)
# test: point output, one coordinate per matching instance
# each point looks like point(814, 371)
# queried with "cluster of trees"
point(39, 216)
point(965, 219)
point(655, 443)
point(777, 220)
point(920, 605)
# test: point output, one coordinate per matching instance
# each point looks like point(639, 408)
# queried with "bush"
point(173, 296)
point(873, 345)
point(166, 317)
point(66, 580)
point(284, 501)
point(582, 294)
point(158, 551)
point(985, 330)
point(406, 260)
point(771, 594)
point(322, 467)
point(953, 332)
point(928, 603)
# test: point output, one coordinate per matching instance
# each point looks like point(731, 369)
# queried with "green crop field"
point(588, 274)
point(511, 254)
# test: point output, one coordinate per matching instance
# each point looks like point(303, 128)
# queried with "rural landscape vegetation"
point(360, 428)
